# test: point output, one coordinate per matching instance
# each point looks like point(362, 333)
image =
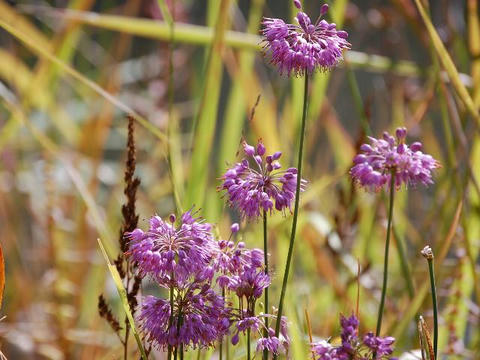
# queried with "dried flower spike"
point(304, 48)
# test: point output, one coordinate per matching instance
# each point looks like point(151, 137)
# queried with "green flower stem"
point(295, 212)
point(435, 307)
point(265, 253)
point(387, 247)
point(248, 344)
point(179, 349)
point(170, 321)
point(220, 348)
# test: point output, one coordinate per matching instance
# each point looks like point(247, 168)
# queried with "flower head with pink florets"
point(257, 183)
point(374, 166)
point(301, 49)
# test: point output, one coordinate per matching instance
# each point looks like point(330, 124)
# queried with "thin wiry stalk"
point(387, 247)
point(265, 252)
point(295, 211)
point(170, 321)
point(220, 348)
point(248, 344)
point(435, 307)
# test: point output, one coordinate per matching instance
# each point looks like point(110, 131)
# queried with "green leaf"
point(448, 64)
point(123, 297)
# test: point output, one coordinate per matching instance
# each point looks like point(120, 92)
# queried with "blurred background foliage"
point(70, 71)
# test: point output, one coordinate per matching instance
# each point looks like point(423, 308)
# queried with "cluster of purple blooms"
point(186, 259)
point(354, 347)
point(373, 168)
point(257, 183)
point(301, 49)
point(246, 278)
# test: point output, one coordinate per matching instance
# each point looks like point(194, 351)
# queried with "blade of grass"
point(9, 15)
point(320, 80)
point(201, 35)
point(400, 327)
point(448, 64)
point(207, 114)
point(474, 46)
point(2, 276)
point(236, 107)
point(75, 177)
point(174, 153)
point(19, 76)
point(39, 51)
point(123, 297)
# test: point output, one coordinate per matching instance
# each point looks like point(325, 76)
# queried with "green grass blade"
point(474, 46)
point(42, 52)
point(201, 35)
point(448, 64)
point(207, 114)
point(123, 297)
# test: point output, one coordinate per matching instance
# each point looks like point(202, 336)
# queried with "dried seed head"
point(427, 253)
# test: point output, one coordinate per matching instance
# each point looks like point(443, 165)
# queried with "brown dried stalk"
point(425, 339)
point(125, 267)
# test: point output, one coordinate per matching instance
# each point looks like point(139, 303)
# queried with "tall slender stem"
point(127, 332)
point(435, 307)
point(295, 211)
point(385, 260)
point(265, 253)
point(220, 348)
point(179, 325)
point(170, 321)
point(248, 344)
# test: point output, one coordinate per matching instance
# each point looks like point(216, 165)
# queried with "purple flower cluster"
point(352, 347)
point(180, 258)
point(301, 49)
point(187, 259)
point(259, 184)
point(231, 260)
point(171, 254)
point(373, 168)
point(242, 273)
point(200, 318)
point(382, 347)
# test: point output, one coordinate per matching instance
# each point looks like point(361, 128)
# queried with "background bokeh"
point(70, 71)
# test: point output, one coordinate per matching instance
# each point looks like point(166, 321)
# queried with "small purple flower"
point(349, 334)
point(232, 258)
point(234, 228)
point(200, 318)
point(323, 350)
point(352, 346)
point(301, 49)
point(378, 345)
point(259, 184)
point(250, 283)
point(256, 324)
point(166, 251)
point(373, 167)
point(272, 344)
